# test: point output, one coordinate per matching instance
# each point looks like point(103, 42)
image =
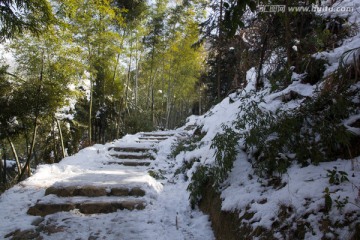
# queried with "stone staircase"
point(132, 157)
point(117, 193)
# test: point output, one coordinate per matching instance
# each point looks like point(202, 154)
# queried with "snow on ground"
point(302, 190)
point(166, 216)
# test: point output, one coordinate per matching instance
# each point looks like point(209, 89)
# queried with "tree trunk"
point(1, 169)
point(128, 78)
point(152, 84)
point(4, 166)
point(27, 164)
point(262, 56)
point(15, 155)
point(288, 34)
point(61, 138)
point(218, 71)
point(168, 105)
point(137, 60)
point(200, 103)
point(54, 144)
point(90, 112)
point(152, 105)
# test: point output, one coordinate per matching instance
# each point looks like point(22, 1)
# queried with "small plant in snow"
point(336, 177)
point(328, 200)
point(340, 203)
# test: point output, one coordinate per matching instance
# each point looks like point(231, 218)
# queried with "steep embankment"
point(283, 162)
point(316, 200)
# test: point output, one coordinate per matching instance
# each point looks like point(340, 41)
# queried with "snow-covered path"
point(105, 192)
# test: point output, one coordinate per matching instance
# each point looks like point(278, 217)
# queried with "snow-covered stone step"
point(85, 205)
point(95, 191)
point(157, 135)
point(159, 138)
point(133, 156)
point(190, 127)
point(131, 149)
point(148, 141)
point(130, 163)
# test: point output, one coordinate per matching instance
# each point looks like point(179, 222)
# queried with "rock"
point(138, 192)
point(135, 192)
point(46, 209)
point(120, 192)
point(89, 191)
point(24, 235)
point(61, 192)
point(37, 221)
point(42, 209)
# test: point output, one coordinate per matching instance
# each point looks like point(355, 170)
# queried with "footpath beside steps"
point(107, 197)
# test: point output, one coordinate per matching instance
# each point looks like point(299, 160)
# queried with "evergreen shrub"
point(313, 133)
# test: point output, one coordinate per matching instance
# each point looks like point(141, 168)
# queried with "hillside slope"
point(283, 162)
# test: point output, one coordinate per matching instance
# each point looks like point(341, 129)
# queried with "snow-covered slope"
point(302, 189)
point(301, 198)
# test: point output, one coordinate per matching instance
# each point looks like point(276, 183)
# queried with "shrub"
point(138, 122)
point(198, 181)
point(187, 144)
point(314, 69)
point(280, 78)
point(187, 165)
point(158, 175)
point(225, 145)
point(225, 154)
point(313, 133)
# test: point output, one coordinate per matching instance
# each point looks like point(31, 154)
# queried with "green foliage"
point(234, 10)
point(312, 133)
point(280, 79)
point(341, 203)
point(186, 144)
point(199, 180)
point(225, 145)
point(17, 16)
point(336, 177)
point(80, 59)
point(317, 40)
point(138, 122)
point(264, 136)
point(158, 175)
point(131, 10)
point(324, 34)
point(327, 200)
point(313, 68)
point(187, 165)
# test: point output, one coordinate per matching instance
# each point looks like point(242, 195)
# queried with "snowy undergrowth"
point(301, 191)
